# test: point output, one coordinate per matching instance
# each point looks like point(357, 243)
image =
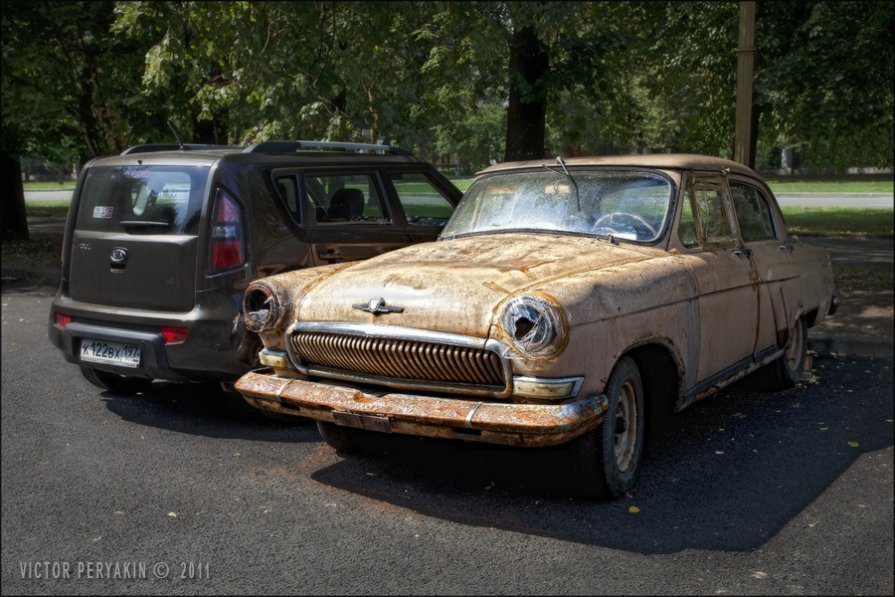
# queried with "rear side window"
point(753, 213)
point(345, 198)
point(423, 203)
point(142, 199)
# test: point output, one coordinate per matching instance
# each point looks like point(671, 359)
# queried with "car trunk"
point(135, 241)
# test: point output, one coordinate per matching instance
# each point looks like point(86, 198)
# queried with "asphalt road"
point(748, 492)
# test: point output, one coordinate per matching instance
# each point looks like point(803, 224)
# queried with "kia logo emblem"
point(119, 256)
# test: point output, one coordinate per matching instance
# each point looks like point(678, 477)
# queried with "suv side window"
point(342, 198)
point(423, 203)
point(752, 211)
point(704, 219)
point(288, 189)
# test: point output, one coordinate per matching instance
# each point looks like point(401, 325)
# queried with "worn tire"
point(606, 460)
point(788, 368)
point(114, 382)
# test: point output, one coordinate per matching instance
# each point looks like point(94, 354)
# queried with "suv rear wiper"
point(144, 224)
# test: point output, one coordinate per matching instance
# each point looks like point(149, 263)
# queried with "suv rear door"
point(349, 216)
point(135, 237)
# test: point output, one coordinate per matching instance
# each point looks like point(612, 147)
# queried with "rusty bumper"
point(416, 414)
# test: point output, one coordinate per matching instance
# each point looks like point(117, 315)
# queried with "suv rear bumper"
point(210, 352)
point(153, 360)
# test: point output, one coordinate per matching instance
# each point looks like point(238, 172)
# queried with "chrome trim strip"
point(282, 388)
point(369, 330)
point(471, 414)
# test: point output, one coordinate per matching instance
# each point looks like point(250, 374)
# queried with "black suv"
point(162, 240)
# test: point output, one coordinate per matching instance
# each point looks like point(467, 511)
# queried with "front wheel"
point(788, 368)
point(114, 382)
point(606, 460)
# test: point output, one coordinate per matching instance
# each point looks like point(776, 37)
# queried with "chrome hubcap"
point(625, 431)
point(794, 346)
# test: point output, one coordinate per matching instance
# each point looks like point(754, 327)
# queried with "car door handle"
point(742, 251)
point(330, 255)
point(787, 247)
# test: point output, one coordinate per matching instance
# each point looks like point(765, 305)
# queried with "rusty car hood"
point(455, 285)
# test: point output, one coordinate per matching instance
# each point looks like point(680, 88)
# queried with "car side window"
point(345, 198)
point(753, 213)
point(288, 189)
point(423, 203)
point(704, 219)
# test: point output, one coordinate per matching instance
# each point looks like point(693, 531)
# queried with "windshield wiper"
point(144, 224)
point(572, 178)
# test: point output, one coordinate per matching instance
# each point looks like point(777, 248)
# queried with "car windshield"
point(624, 204)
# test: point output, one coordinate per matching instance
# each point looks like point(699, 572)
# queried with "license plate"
point(110, 353)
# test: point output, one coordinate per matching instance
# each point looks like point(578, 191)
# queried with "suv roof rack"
point(150, 147)
point(292, 146)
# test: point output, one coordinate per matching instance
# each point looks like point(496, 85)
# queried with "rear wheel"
point(788, 368)
point(115, 382)
point(606, 460)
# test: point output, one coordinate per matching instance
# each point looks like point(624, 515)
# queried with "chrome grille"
point(397, 358)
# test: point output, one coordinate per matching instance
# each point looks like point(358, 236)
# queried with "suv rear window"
point(143, 199)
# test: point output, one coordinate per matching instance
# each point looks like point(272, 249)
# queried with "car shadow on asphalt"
point(727, 474)
point(204, 409)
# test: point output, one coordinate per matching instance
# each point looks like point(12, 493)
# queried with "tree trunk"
point(529, 63)
point(13, 219)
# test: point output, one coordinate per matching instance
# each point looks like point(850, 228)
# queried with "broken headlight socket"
point(534, 325)
point(261, 307)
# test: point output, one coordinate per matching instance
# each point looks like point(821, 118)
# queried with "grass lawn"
point(839, 221)
point(68, 185)
point(829, 186)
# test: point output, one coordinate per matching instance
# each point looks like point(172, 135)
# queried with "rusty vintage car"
point(576, 301)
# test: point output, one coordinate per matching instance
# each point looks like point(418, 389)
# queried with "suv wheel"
point(115, 382)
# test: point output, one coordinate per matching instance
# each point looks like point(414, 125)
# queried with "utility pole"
point(743, 147)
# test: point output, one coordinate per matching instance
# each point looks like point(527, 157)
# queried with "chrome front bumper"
point(418, 414)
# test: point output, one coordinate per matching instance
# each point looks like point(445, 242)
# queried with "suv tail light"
point(227, 234)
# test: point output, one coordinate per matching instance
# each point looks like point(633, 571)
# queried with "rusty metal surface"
point(416, 414)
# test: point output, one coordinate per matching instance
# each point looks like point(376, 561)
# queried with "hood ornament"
point(377, 306)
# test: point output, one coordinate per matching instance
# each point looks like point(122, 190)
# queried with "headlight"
point(535, 326)
point(261, 308)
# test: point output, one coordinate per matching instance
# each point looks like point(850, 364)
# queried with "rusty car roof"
point(672, 161)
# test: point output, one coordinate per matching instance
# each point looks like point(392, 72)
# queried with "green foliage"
point(86, 78)
point(825, 82)
point(70, 87)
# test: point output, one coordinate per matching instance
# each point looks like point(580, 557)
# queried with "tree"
point(70, 89)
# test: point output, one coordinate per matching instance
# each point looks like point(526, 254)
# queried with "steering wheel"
point(626, 220)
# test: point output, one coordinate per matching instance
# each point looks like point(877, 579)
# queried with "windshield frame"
point(662, 233)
